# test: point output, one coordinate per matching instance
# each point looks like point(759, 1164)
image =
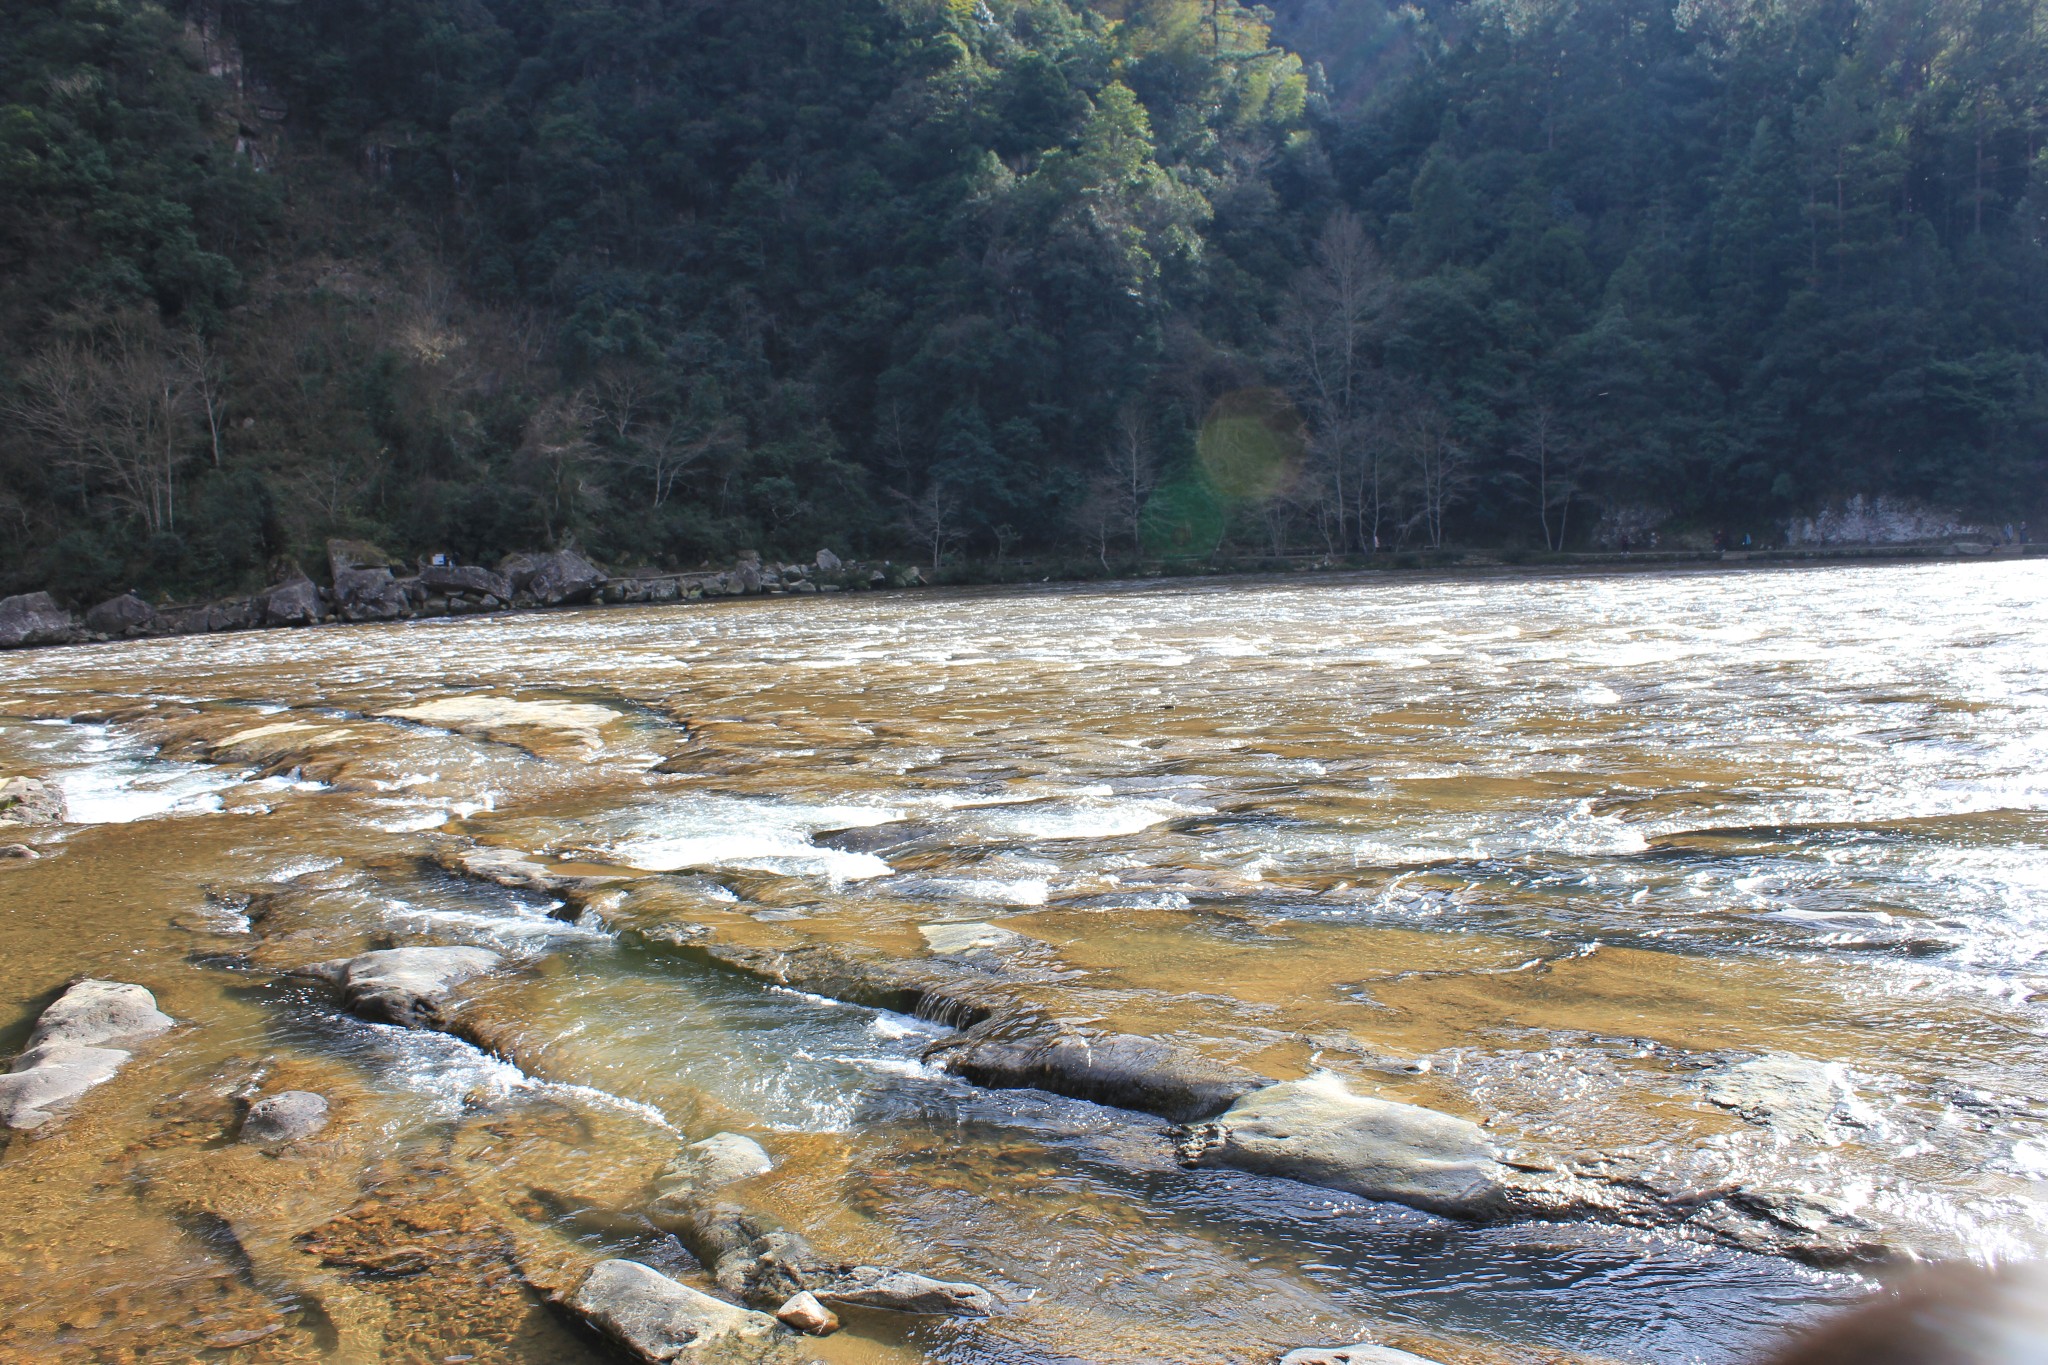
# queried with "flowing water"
point(1549, 853)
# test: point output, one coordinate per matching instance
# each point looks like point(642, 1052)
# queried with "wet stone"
point(807, 1315)
point(405, 986)
point(658, 1319)
point(1319, 1133)
point(1362, 1353)
point(69, 1053)
point(285, 1117)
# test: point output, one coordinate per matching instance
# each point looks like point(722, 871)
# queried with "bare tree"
point(1095, 518)
point(208, 375)
point(1129, 473)
point(1323, 350)
point(1440, 466)
point(118, 409)
point(1553, 471)
point(933, 519)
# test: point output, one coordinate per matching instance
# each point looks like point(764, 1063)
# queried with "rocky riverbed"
point(1133, 975)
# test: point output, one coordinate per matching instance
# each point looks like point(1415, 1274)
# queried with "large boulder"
point(122, 616)
point(470, 579)
point(900, 1291)
point(368, 594)
point(405, 986)
point(1362, 1353)
point(34, 618)
point(828, 562)
point(657, 1319)
point(73, 1048)
point(1318, 1132)
point(707, 1165)
point(293, 603)
point(30, 801)
point(553, 578)
point(1119, 1069)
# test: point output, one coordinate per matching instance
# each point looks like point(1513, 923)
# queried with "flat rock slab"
point(71, 1049)
point(539, 727)
point(1360, 1354)
point(405, 986)
point(658, 1319)
point(1123, 1070)
point(1794, 1096)
point(1318, 1132)
point(966, 937)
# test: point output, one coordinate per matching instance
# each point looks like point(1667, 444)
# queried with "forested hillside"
point(672, 278)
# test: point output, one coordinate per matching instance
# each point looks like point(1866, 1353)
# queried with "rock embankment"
point(365, 584)
point(79, 1042)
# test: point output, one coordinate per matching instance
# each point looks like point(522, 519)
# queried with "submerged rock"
point(711, 1164)
point(966, 936)
point(285, 1117)
point(405, 986)
point(1794, 1096)
point(1319, 1133)
point(1118, 1069)
point(70, 1051)
point(658, 1319)
point(30, 801)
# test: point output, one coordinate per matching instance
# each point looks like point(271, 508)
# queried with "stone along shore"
point(367, 585)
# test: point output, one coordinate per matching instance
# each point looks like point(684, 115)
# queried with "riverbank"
point(364, 587)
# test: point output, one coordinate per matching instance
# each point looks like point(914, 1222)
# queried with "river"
point(1560, 855)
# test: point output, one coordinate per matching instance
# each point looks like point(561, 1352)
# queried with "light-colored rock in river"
point(807, 1315)
point(1362, 1353)
point(30, 801)
point(901, 1291)
point(715, 1162)
point(1318, 1132)
point(545, 728)
point(658, 1319)
point(285, 1117)
point(405, 986)
point(71, 1050)
point(1794, 1096)
point(966, 936)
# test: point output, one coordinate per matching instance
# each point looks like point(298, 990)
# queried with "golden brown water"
point(1549, 853)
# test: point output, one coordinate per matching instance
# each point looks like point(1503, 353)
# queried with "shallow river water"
point(1556, 854)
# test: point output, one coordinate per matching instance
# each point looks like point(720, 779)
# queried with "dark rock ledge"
point(364, 584)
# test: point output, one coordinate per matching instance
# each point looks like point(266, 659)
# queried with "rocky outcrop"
point(122, 617)
point(74, 1048)
point(409, 987)
point(368, 594)
point(285, 1117)
point(471, 580)
point(1319, 1133)
point(293, 603)
point(34, 618)
point(554, 578)
point(30, 801)
point(657, 1319)
point(1118, 1069)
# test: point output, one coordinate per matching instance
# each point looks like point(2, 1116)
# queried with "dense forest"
point(668, 279)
